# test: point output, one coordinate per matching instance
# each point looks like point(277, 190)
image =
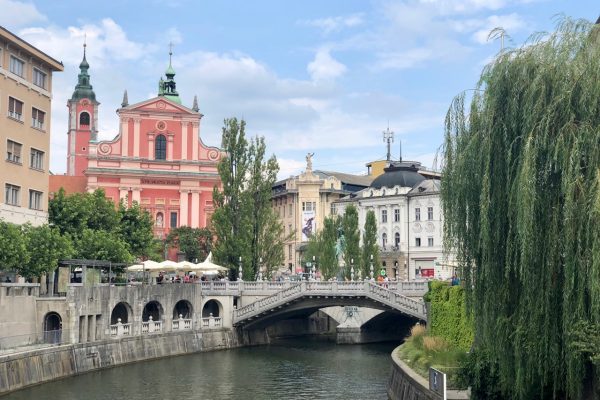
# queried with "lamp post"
point(260, 274)
point(352, 269)
point(371, 268)
point(240, 274)
point(406, 271)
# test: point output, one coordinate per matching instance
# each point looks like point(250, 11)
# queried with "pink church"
point(157, 159)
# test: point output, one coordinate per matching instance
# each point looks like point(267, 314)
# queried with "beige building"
point(25, 97)
point(304, 201)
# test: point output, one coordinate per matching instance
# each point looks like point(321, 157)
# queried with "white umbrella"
point(147, 265)
point(168, 265)
point(208, 265)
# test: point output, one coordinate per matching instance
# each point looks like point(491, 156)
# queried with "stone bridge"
point(314, 295)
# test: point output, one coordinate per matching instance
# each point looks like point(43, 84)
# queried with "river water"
point(289, 369)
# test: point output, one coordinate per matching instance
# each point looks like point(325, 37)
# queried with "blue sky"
point(311, 76)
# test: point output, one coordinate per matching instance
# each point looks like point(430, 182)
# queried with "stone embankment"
point(28, 368)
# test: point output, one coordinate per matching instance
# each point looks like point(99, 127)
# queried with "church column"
point(195, 209)
point(183, 208)
point(123, 191)
point(150, 146)
point(136, 195)
point(195, 126)
point(184, 140)
point(136, 137)
point(170, 137)
point(124, 137)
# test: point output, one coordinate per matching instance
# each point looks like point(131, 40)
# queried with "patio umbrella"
point(208, 265)
point(147, 265)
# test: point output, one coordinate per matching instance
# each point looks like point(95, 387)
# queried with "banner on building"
point(308, 224)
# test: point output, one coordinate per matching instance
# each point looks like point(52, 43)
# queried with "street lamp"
point(260, 274)
point(372, 274)
point(240, 274)
point(352, 269)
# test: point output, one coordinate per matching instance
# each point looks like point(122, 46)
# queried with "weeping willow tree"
point(521, 200)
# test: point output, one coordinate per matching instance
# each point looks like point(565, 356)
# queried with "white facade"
point(409, 228)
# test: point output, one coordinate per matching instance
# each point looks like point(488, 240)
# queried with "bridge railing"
point(269, 300)
point(395, 298)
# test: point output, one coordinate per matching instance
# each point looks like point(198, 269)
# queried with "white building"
point(406, 202)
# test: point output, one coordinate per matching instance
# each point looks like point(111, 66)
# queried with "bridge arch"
point(152, 309)
point(183, 308)
point(122, 311)
point(213, 307)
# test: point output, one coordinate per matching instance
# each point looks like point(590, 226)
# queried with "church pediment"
point(159, 104)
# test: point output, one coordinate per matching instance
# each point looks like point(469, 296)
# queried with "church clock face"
point(161, 125)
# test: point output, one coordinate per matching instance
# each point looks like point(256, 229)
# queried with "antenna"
point(400, 149)
point(170, 51)
point(84, 43)
point(388, 137)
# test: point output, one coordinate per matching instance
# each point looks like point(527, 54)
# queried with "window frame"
point(15, 193)
point(430, 213)
point(397, 239)
point(417, 213)
point(430, 241)
point(160, 147)
point(10, 155)
point(12, 111)
point(36, 73)
point(384, 215)
point(417, 242)
point(39, 196)
point(36, 122)
point(171, 215)
point(39, 156)
point(20, 62)
point(89, 118)
point(396, 215)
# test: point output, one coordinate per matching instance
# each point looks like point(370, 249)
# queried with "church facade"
point(157, 159)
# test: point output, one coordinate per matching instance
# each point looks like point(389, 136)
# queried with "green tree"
point(521, 203)
point(46, 247)
point(244, 223)
point(103, 245)
point(135, 228)
point(13, 246)
point(351, 234)
point(196, 243)
point(230, 219)
point(328, 262)
point(370, 250)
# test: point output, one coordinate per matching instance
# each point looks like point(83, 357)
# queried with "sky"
point(311, 76)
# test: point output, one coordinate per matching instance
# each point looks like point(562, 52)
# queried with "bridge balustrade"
point(151, 326)
point(120, 329)
point(182, 324)
point(212, 322)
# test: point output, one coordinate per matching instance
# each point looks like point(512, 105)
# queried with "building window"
point(37, 118)
point(417, 214)
point(37, 159)
point(333, 210)
point(289, 251)
point(309, 206)
point(35, 200)
point(17, 66)
point(84, 119)
point(430, 242)
point(383, 216)
point(173, 220)
point(397, 240)
point(290, 210)
point(417, 242)
point(397, 215)
point(160, 148)
point(430, 213)
point(39, 78)
point(11, 194)
point(384, 240)
point(159, 220)
point(289, 229)
point(15, 108)
point(13, 152)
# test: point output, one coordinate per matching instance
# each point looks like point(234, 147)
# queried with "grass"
point(421, 351)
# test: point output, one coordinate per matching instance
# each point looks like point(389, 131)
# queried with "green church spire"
point(167, 88)
point(83, 89)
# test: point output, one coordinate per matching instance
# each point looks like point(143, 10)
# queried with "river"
point(289, 369)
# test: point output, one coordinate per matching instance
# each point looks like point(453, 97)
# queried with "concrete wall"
point(405, 384)
point(29, 368)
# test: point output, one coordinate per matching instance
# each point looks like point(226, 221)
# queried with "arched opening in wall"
point(183, 308)
point(159, 220)
point(384, 240)
point(397, 240)
point(52, 327)
point(211, 307)
point(121, 311)
point(84, 119)
point(152, 309)
point(160, 148)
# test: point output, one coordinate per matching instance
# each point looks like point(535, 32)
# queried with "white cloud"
point(335, 24)
point(16, 13)
point(511, 23)
point(325, 67)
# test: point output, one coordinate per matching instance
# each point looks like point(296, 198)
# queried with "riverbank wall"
point(406, 384)
point(28, 368)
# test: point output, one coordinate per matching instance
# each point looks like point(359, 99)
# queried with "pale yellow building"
point(304, 201)
point(25, 98)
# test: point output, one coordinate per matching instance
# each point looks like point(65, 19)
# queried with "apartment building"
point(25, 99)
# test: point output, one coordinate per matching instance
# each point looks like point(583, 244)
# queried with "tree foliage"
point(351, 232)
point(244, 223)
point(322, 245)
point(370, 250)
point(135, 228)
point(13, 246)
point(196, 243)
point(521, 200)
point(46, 247)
